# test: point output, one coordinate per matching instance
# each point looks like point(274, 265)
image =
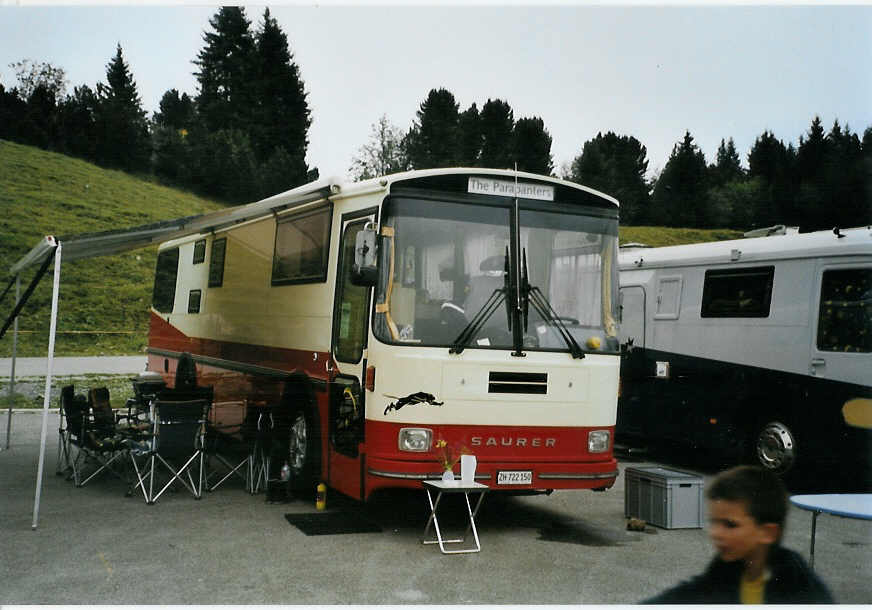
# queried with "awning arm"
point(49, 254)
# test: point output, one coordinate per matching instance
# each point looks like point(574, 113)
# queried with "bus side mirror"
point(364, 271)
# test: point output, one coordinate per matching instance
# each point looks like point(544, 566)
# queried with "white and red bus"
point(377, 318)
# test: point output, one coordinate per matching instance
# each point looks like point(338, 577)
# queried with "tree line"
point(244, 136)
point(826, 181)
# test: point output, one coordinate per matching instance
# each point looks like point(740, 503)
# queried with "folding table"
point(453, 487)
point(852, 506)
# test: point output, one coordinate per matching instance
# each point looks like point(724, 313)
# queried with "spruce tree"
point(122, 129)
point(616, 165)
point(497, 125)
point(432, 140)
point(531, 145)
point(226, 68)
point(679, 198)
point(469, 138)
point(281, 116)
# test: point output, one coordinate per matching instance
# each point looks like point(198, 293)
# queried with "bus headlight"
point(598, 441)
point(415, 439)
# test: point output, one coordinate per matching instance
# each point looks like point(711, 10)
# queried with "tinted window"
point(194, 301)
point(216, 262)
point(737, 293)
point(302, 244)
point(845, 323)
point(165, 280)
point(199, 251)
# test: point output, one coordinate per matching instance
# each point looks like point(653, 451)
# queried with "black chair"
point(175, 446)
point(240, 450)
point(93, 434)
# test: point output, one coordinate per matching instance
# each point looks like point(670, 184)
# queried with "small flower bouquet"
point(448, 455)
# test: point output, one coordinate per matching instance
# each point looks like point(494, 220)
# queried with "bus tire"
point(772, 445)
point(302, 450)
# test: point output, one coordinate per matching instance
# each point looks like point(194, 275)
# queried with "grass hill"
point(104, 301)
point(44, 193)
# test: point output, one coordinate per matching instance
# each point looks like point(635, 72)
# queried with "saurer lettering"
point(511, 441)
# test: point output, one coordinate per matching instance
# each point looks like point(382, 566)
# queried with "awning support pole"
point(14, 354)
point(47, 400)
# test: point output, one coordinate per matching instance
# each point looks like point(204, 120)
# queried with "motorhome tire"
point(302, 450)
point(772, 445)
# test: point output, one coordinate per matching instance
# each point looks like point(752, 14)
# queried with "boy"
point(747, 511)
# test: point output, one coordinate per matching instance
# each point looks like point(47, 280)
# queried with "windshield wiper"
point(532, 294)
point(485, 312)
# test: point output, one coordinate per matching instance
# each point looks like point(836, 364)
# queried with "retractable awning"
point(88, 245)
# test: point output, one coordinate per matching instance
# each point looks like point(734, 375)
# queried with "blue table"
point(851, 506)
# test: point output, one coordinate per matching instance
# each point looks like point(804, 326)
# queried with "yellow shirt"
point(751, 591)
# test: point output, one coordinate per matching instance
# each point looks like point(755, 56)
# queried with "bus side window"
point(845, 317)
point(165, 274)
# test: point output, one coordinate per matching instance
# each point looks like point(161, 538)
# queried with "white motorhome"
point(761, 346)
point(385, 321)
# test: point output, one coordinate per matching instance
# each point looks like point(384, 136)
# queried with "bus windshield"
point(444, 262)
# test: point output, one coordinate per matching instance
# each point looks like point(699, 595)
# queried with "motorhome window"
point(350, 323)
point(737, 293)
point(301, 247)
point(194, 301)
point(199, 251)
point(165, 274)
point(845, 323)
point(216, 262)
point(449, 258)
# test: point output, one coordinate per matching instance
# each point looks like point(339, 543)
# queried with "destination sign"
point(505, 188)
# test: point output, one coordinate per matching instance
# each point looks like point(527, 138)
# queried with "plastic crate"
point(670, 499)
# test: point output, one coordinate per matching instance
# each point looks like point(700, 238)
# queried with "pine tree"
point(727, 167)
point(78, 122)
point(122, 129)
point(679, 198)
point(773, 165)
point(531, 144)
point(616, 165)
point(226, 69)
point(281, 116)
point(497, 125)
point(469, 138)
point(432, 139)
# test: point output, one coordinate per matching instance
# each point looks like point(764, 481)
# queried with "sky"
point(647, 71)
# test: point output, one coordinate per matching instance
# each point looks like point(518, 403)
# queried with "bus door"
point(350, 325)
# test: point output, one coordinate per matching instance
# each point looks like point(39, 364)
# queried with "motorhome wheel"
point(301, 448)
point(775, 446)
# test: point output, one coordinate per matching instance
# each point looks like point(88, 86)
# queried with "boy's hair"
point(761, 490)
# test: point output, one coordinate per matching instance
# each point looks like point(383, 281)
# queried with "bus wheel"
point(302, 450)
point(774, 447)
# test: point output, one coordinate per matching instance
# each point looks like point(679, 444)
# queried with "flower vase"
point(447, 476)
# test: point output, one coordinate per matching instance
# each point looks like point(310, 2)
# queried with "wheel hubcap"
point(776, 448)
point(298, 443)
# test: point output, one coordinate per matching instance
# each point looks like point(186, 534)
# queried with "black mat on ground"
point(324, 524)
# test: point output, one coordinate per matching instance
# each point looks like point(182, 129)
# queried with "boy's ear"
point(770, 532)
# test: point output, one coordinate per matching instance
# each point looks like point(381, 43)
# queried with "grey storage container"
point(670, 499)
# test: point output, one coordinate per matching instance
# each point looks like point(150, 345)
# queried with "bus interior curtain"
point(385, 307)
point(608, 289)
point(21, 302)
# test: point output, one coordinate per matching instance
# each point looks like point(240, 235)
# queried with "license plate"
point(515, 477)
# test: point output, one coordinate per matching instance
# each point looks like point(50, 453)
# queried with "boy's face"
point(735, 534)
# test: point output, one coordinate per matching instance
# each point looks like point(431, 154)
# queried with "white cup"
point(467, 469)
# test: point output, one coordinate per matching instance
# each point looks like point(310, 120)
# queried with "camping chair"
point(246, 445)
point(175, 445)
point(72, 409)
point(95, 438)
